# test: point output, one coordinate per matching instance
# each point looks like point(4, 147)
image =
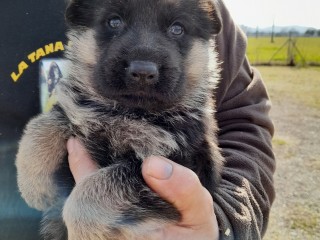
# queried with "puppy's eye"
point(115, 23)
point(176, 29)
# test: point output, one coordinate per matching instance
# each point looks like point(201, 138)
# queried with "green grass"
point(278, 141)
point(301, 85)
point(260, 50)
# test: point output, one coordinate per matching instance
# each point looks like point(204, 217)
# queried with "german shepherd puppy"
point(141, 80)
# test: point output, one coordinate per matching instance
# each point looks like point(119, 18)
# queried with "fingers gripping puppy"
point(141, 80)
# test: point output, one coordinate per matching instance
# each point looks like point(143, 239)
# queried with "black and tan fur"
point(121, 122)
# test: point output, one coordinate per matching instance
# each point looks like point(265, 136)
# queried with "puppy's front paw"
point(41, 152)
point(114, 203)
point(89, 211)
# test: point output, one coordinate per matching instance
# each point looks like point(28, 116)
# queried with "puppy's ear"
point(80, 13)
point(212, 8)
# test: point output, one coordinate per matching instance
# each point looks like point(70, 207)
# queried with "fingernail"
point(158, 168)
point(70, 145)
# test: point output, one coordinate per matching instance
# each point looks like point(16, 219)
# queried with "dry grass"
point(303, 218)
point(295, 94)
point(300, 85)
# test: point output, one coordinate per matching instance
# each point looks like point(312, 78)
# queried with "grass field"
point(260, 50)
point(301, 85)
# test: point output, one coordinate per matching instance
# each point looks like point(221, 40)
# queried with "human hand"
point(174, 183)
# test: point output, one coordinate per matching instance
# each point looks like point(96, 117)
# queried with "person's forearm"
point(246, 190)
point(243, 200)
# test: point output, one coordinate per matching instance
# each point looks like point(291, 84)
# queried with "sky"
point(262, 13)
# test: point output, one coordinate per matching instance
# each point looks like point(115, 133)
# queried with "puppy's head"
point(150, 54)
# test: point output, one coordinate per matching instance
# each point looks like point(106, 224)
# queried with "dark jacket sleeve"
point(246, 191)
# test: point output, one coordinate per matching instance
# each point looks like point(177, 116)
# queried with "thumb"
point(80, 162)
point(181, 187)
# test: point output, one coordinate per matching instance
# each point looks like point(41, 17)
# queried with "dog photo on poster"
point(51, 71)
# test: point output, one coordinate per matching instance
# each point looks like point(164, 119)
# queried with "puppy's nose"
point(143, 72)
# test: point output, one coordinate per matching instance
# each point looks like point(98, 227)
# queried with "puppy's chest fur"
point(118, 137)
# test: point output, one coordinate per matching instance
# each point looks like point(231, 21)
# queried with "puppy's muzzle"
point(142, 73)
